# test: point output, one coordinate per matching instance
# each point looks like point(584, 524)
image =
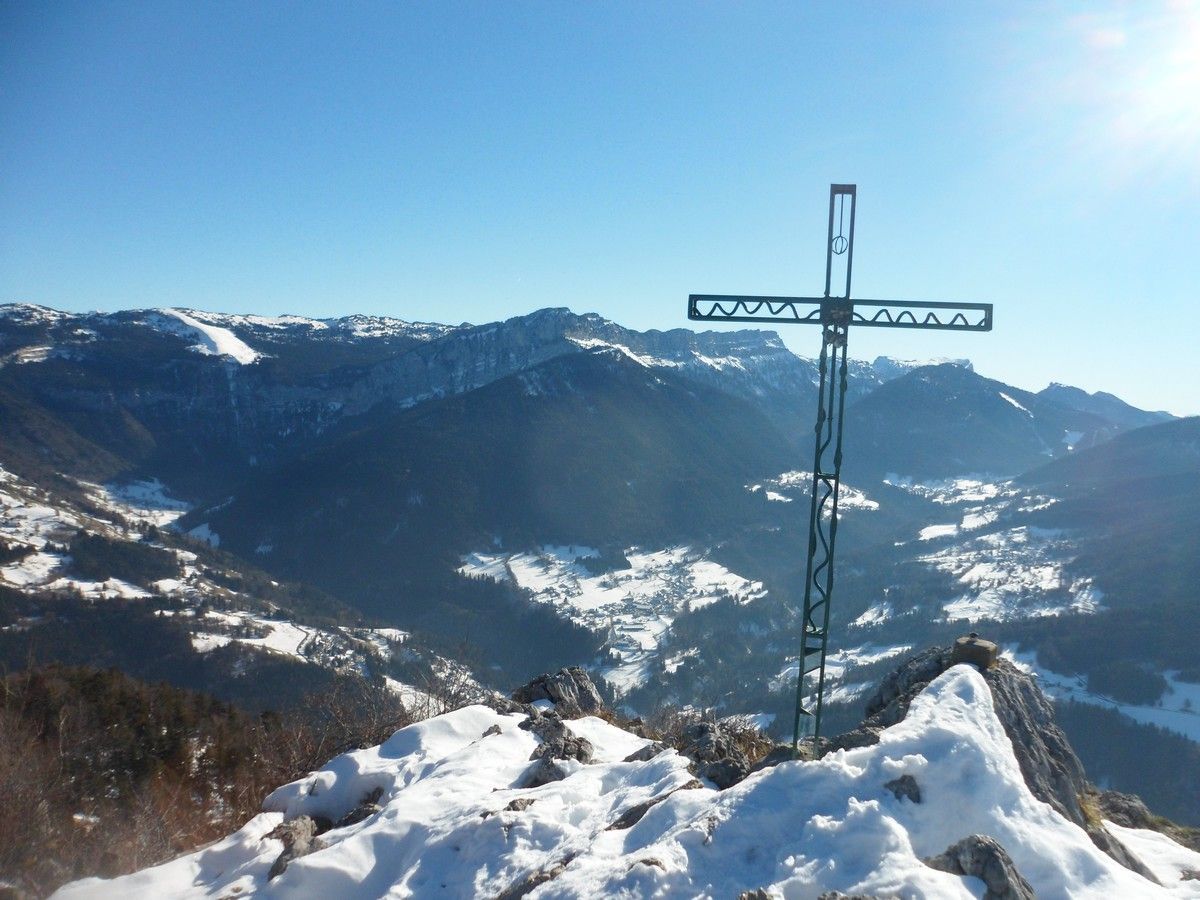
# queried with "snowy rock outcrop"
point(715, 753)
point(570, 690)
point(1048, 763)
point(558, 742)
point(982, 857)
point(454, 820)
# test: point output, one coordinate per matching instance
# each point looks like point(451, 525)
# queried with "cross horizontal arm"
point(867, 313)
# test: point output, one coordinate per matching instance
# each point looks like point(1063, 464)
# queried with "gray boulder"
point(980, 856)
point(715, 754)
point(557, 740)
point(299, 837)
point(647, 753)
point(570, 690)
point(558, 743)
point(367, 807)
point(905, 787)
point(544, 771)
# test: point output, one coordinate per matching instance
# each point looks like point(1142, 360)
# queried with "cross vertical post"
point(834, 313)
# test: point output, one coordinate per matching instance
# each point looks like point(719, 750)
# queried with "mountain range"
point(557, 489)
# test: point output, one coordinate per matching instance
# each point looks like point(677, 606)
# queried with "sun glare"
point(1137, 81)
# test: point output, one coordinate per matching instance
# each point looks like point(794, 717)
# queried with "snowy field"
point(140, 501)
point(839, 664)
point(211, 340)
point(1179, 712)
point(1015, 573)
point(341, 649)
point(633, 607)
point(455, 824)
point(797, 485)
point(1005, 573)
point(32, 520)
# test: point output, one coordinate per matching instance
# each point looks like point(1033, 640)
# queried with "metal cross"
point(835, 313)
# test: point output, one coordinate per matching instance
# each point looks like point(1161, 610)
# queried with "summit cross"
point(834, 313)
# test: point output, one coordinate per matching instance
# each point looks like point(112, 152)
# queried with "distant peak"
point(31, 313)
point(887, 367)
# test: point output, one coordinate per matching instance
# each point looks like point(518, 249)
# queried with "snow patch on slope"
point(1014, 573)
point(213, 340)
point(144, 501)
point(1006, 572)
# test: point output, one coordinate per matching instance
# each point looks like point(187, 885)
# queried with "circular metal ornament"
point(839, 245)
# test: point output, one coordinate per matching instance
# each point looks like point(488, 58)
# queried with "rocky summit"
point(958, 784)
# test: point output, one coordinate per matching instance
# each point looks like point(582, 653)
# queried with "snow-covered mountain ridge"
point(235, 392)
point(943, 804)
point(751, 361)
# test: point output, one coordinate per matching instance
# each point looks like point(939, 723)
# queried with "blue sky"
point(474, 161)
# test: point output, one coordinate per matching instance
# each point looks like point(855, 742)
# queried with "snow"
point(32, 570)
point(633, 607)
point(143, 501)
point(1162, 856)
point(641, 359)
point(203, 532)
point(202, 643)
point(837, 664)
point(25, 355)
point(213, 340)
point(875, 614)
point(1006, 572)
point(932, 532)
point(1015, 403)
point(799, 483)
point(1014, 573)
point(795, 830)
point(952, 491)
point(1180, 705)
point(416, 701)
point(32, 314)
point(274, 635)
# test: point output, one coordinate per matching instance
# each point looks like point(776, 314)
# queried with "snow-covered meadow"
point(634, 607)
point(1006, 571)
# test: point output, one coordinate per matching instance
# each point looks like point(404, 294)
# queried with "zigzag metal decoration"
point(807, 310)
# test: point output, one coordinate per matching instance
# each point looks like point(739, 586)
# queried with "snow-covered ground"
point(141, 501)
point(343, 649)
point(449, 826)
point(32, 518)
point(634, 607)
point(1013, 572)
point(797, 485)
point(838, 665)
point(1179, 710)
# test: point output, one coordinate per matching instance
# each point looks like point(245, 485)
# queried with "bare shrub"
point(670, 725)
point(30, 783)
